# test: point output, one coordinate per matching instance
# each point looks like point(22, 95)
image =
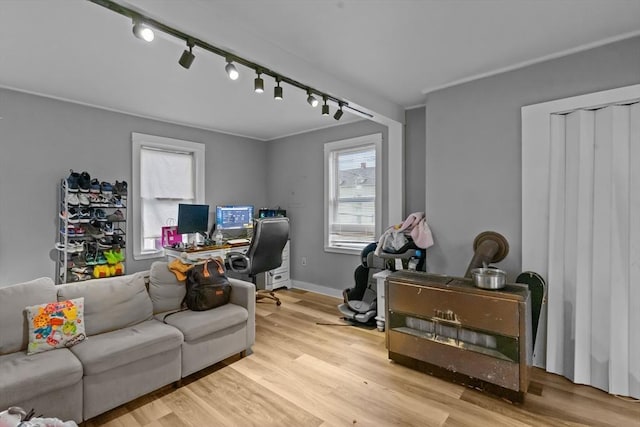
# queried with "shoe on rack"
point(71, 216)
point(116, 201)
point(116, 216)
point(80, 230)
point(69, 230)
point(83, 199)
point(105, 243)
point(84, 182)
point(84, 215)
point(106, 188)
point(94, 186)
point(107, 229)
point(100, 259)
point(94, 229)
point(100, 215)
point(120, 188)
point(71, 183)
point(72, 199)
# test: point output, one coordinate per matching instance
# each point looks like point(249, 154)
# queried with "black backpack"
point(207, 286)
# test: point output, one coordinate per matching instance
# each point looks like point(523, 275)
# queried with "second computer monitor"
point(234, 217)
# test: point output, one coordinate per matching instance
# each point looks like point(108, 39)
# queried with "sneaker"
point(72, 199)
point(69, 230)
point(106, 188)
point(105, 243)
point(83, 199)
point(71, 183)
point(84, 182)
point(84, 215)
point(120, 188)
point(107, 229)
point(94, 229)
point(116, 216)
point(116, 201)
point(71, 216)
point(100, 215)
point(94, 186)
point(100, 259)
point(117, 241)
point(79, 230)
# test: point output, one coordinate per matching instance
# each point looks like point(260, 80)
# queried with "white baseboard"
point(319, 289)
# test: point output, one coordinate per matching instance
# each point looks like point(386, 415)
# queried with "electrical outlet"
point(304, 260)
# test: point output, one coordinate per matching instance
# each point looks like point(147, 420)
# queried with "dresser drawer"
point(486, 313)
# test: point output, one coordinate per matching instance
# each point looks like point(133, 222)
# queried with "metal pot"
point(489, 278)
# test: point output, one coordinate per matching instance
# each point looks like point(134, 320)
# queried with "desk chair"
point(270, 236)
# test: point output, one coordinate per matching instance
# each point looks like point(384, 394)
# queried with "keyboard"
point(238, 241)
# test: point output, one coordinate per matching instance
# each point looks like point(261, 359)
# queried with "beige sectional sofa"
point(129, 350)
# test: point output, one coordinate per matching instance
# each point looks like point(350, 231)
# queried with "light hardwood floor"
point(304, 372)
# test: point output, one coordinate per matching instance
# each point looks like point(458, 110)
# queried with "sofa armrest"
point(244, 294)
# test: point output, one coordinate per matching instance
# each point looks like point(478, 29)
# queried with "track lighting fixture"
point(231, 70)
point(258, 83)
point(277, 91)
point(339, 112)
point(325, 107)
point(141, 31)
point(187, 56)
point(144, 27)
point(312, 100)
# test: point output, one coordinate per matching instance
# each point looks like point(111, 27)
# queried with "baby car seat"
point(360, 301)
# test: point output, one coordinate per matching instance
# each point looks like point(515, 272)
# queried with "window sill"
point(148, 255)
point(342, 250)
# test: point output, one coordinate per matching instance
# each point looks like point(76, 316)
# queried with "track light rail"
point(191, 41)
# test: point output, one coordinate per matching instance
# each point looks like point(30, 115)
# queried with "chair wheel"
point(278, 303)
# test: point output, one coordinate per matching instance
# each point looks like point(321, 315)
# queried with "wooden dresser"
point(447, 327)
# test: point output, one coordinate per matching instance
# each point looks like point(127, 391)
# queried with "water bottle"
point(414, 260)
point(218, 237)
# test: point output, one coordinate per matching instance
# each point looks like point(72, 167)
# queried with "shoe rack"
point(91, 234)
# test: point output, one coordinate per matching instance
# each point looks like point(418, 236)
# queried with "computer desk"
point(273, 279)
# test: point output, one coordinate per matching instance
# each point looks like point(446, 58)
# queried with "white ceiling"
point(381, 55)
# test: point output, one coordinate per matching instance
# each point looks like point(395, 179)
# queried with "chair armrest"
point(244, 294)
point(235, 256)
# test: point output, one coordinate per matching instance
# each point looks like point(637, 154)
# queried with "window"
point(352, 193)
point(166, 172)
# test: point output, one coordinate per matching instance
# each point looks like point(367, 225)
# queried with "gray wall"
point(414, 161)
point(42, 138)
point(473, 175)
point(296, 183)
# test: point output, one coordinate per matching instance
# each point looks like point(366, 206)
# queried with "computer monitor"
point(193, 218)
point(234, 217)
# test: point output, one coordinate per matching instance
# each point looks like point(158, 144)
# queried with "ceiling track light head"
point(277, 91)
point(231, 69)
point(258, 83)
point(325, 107)
point(187, 56)
point(142, 31)
point(339, 112)
point(312, 100)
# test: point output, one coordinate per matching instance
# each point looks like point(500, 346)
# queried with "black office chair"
point(270, 236)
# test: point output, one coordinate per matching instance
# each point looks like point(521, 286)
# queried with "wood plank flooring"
point(309, 369)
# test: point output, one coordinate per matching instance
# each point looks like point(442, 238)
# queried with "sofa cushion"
point(26, 376)
point(55, 325)
point(13, 300)
point(165, 290)
point(198, 324)
point(106, 351)
point(111, 303)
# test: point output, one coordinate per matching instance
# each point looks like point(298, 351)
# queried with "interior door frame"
point(537, 130)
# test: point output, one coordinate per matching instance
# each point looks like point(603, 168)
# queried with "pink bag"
point(170, 235)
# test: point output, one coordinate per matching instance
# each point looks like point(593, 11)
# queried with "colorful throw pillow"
point(55, 325)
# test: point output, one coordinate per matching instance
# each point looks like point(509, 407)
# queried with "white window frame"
point(351, 143)
point(140, 140)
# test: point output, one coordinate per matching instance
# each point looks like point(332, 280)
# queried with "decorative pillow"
point(55, 325)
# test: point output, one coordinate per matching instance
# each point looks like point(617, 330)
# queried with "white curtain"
point(593, 313)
